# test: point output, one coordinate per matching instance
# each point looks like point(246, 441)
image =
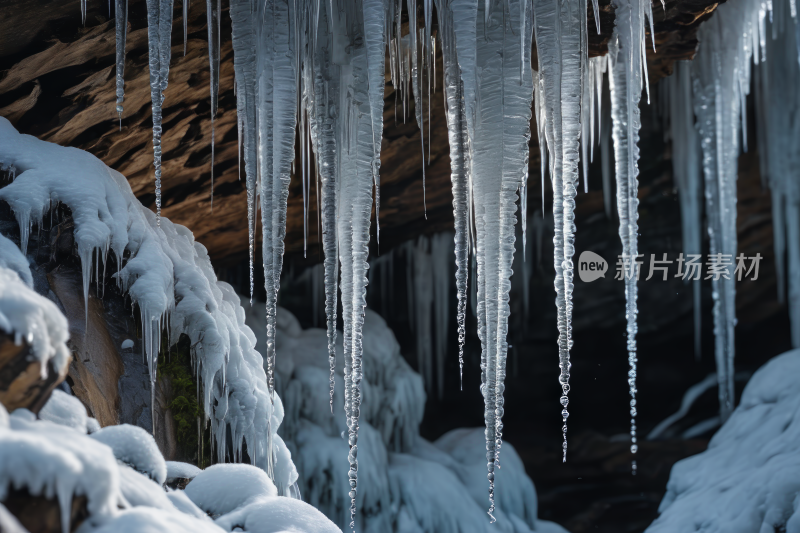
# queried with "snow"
point(147, 520)
point(278, 515)
point(28, 317)
point(127, 344)
point(412, 485)
point(167, 275)
point(222, 488)
point(12, 259)
point(136, 448)
point(66, 410)
point(748, 479)
point(178, 470)
point(141, 491)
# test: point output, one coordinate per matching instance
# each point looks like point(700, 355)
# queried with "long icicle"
point(121, 16)
point(213, 21)
point(159, 31)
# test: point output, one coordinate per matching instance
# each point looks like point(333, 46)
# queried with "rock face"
point(57, 82)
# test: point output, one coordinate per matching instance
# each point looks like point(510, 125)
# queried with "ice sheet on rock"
point(278, 515)
point(65, 410)
point(57, 462)
point(136, 448)
point(147, 520)
point(29, 317)
point(12, 259)
point(747, 479)
point(222, 488)
point(167, 275)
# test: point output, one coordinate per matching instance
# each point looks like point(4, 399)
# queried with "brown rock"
point(43, 515)
point(21, 381)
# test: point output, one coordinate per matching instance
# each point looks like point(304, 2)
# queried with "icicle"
point(720, 72)
point(159, 30)
point(560, 35)
point(497, 107)
point(459, 166)
point(185, 24)
point(213, 22)
point(122, 36)
point(628, 61)
point(686, 167)
point(777, 105)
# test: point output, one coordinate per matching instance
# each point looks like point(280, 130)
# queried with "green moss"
point(176, 365)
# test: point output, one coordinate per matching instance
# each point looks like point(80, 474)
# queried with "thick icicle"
point(498, 111)
point(560, 27)
point(213, 20)
point(626, 57)
point(459, 168)
point(159, 32)
point(721, 79)
point(686, 168)
point(122, 36)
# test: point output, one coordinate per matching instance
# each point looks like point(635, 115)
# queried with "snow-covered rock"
point(222, 488)
point(65, 410)
point(11, 258)
point(278, 515)
point(136, 448)
point(166, 274)
point(748, 480)
point(181, 471)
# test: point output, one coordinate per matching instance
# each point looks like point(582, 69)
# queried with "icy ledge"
point(748, 481)
point(120, 472)
point(167, 275)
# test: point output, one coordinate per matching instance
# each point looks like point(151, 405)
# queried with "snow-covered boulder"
point(222, 488)
point(136, 448)
point(748, 480)
point(277, 515)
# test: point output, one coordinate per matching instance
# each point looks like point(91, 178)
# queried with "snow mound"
point(65, 410)
point(12, 259)
point(167, 275)
point(144, 520)
point(748, 480)
point(136, 448)
point(57, 462)
point(141, 491)
point(222, 488)
point(31, 318)
point(178, 470)
point(278, 515)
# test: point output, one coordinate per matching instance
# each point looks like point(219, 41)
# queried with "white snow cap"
point(65, 410)
point(135, 447)
point(278, 515)
point(178, 470)
point(749, 477)
point(221, 488)
point(32, 318)
point(146, 520)
point(167, 275)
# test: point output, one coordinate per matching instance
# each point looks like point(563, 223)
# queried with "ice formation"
point(628, 66)
point(778, 128)
point(121, 16)
point(686, 169)
point(721, 81)
point(159, 37)
point(413, 485)
point(12, 259)
point(761, 438)
point(58, 461)
point(166, 274)
point(562, 49)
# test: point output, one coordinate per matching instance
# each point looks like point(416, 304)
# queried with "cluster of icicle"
point(715, 86)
